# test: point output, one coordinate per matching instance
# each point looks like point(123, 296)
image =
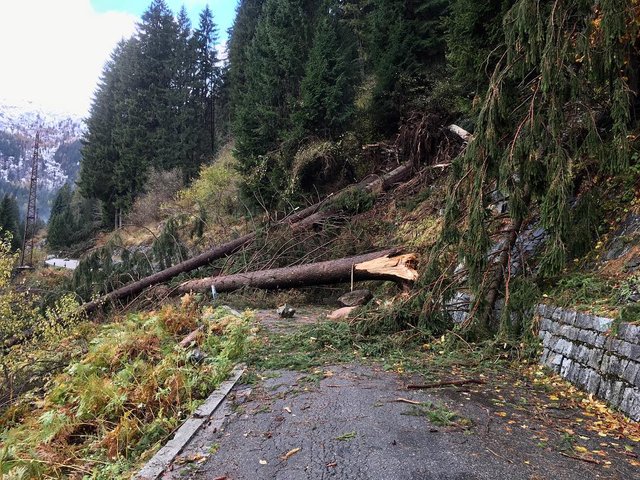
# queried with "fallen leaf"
point(287, 409)
point(263, 462)
point(501, 414)
point(580, 449)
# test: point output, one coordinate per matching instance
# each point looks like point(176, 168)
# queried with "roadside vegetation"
point(117, 403)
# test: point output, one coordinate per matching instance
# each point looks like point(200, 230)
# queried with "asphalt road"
point(346, 422)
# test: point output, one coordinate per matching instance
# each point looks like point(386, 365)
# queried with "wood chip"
point(406, 400)
point(290, 453)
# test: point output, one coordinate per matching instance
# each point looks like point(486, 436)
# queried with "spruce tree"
point(405, 45)
point(240, 38)
point(327, 88)
point(10, 220)
point(62, 225)
point(187, 126)
point(557, 110)
point(474, 36)
point(275, 66)
point(100, 152)
point(155, 104)
point(207, 80)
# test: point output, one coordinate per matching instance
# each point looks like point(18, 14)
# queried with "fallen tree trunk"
point(383, 265)
point(379, 183)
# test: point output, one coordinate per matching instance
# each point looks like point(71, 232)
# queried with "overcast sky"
point(52, 51)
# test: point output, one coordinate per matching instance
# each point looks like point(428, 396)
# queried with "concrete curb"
point(163, 458)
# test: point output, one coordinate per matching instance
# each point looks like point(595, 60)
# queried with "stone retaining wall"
point(581, 348)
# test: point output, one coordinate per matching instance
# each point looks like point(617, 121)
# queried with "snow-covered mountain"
point(60, 133)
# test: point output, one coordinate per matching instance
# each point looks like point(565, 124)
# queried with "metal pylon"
point(26, 257)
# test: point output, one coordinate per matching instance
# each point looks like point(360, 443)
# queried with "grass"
point(112, 409)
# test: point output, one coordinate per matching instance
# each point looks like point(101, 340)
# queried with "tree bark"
point(382, 265)
point(379, 183)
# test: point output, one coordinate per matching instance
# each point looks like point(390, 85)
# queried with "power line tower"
point(26, 258)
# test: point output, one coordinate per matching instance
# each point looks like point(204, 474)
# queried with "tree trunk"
point(383, 265)
point(380, 183)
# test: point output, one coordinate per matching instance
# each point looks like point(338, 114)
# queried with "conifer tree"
point(10, 220)
point(62, 225)
point(405, 44)
point(474, 34)
point(155, 106)
point(327, 88)
point(557, 110)
point(240, 38)
point(207, 80)
point(100, 152)
point(274, 69)
point(187, 127)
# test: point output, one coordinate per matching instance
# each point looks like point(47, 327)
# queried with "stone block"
point(544, 358)
point(563, 331)
point(605, 388)
point(595, 358)
point(617, 393)
point(591, 381)
point(569, 317)
point(587, 336)
point(604, 364)
point(628, 350)
point(611, 343)
point(611, 391)
point(548, 325)
point(566, 368)
point(613, 369)
point(585, 354)
point(593, 322)
point(617, 366)
point(599, 340)
point(555, 362)
point(556, 314)
point(577, 374)
point(576, 352)
point(564, 347)
point(544, 336)
point(630, 403)
point(631, 373)
point(602, 324)
point(572, 333)
point(541, 309)
point(585, 321)
point(630, 333)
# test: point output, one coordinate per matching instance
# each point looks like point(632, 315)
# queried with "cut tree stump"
point(383, 265)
